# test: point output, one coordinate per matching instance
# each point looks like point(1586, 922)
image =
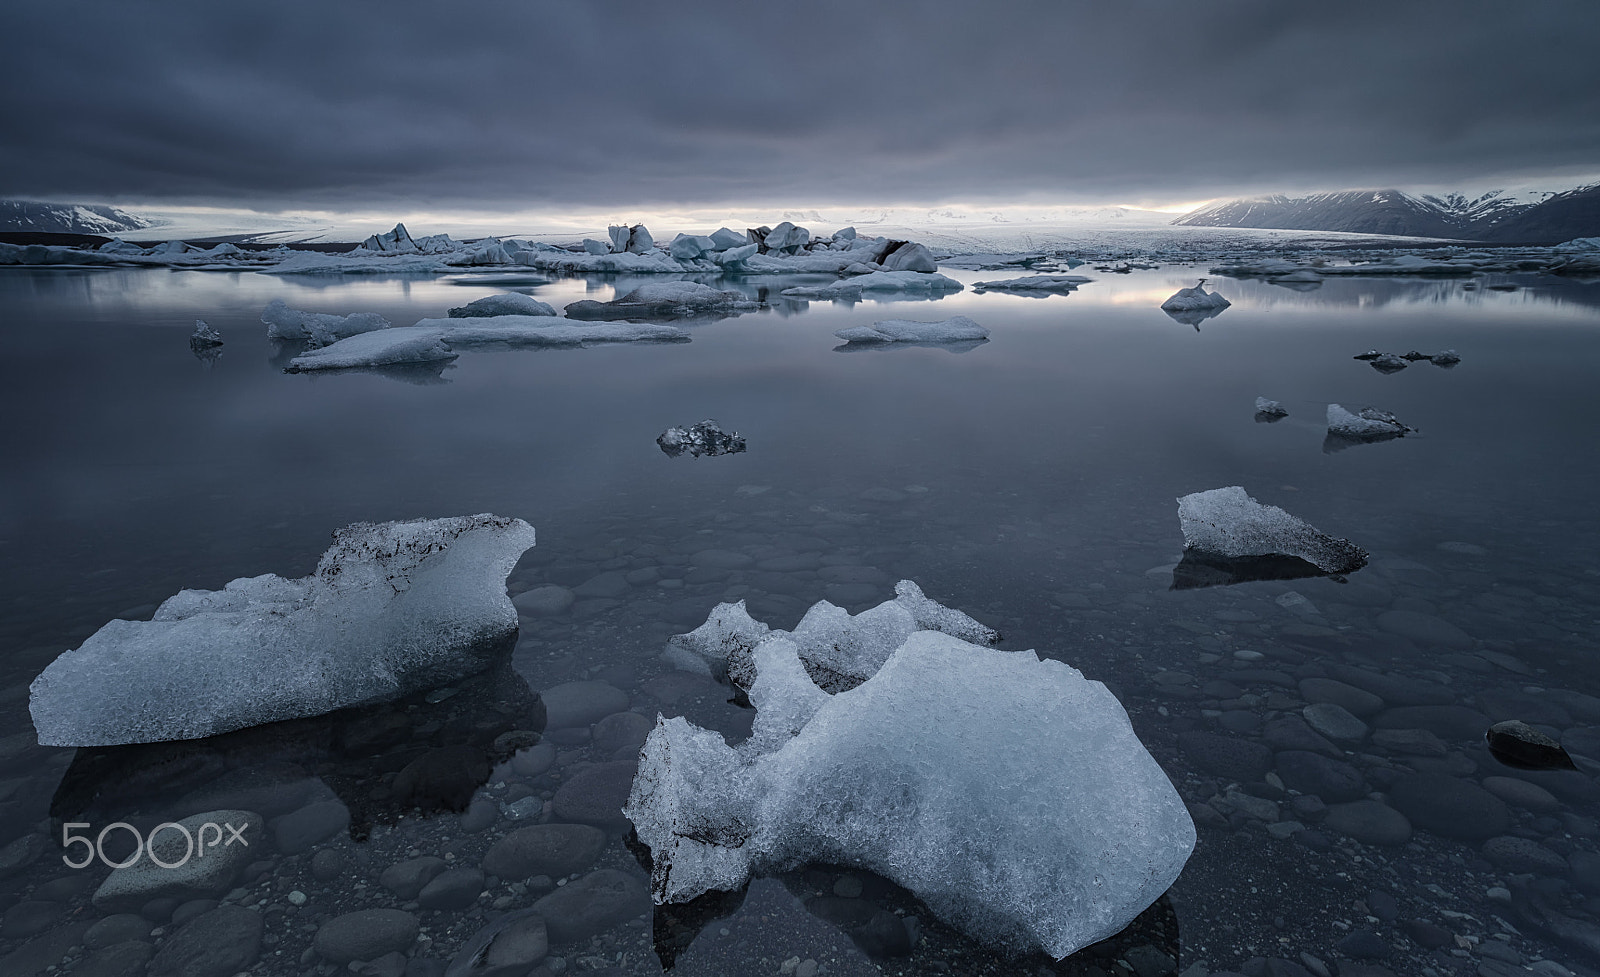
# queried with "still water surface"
point(1029, 481)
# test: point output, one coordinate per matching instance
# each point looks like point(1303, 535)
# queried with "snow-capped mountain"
point(1356, 211)
point(29, 215)
point(1561, 217)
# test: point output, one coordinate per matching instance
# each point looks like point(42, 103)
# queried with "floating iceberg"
point(1389, 363)
point(204, 337)
point(877, 281)
point(510, 303)
point(1445, 357)
point(1034, 283)
point(705, 438)
point(1227, 523)
point(916, 774)
point(397, 241)
point(953, 330)
point(663, 299)
point(1370, 424)
point(1270, 409)
point(1195, 299)
point(398, 346)
point(316, 327)
point(392, 608)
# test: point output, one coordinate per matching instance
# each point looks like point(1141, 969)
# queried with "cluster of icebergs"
point(887, 741)
point(1395, 362)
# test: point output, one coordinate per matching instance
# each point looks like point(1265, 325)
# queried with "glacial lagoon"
point(1030, 480)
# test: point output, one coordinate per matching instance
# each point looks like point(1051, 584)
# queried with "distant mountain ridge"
point(1499, 216)
point(30, 215)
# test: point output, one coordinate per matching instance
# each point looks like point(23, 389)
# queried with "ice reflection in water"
point(1030, 482)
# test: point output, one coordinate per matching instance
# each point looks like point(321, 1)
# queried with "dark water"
point(1029, 481)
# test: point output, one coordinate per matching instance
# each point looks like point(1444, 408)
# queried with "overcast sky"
point(518, 105)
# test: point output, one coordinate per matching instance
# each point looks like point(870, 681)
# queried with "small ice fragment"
point(318, 328)
point(1390, 363)
point(705, 438)
point(1271, 408)
point(1370, 354)
point(1228, 523)
point(392, 608)
point(1445, 357)
point(1034, 283)
point(1370, 424)
point(204, 337)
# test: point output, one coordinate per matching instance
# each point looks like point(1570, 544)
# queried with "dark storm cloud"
point(350, 105)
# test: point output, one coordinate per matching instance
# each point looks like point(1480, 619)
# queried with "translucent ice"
point(705, 438)
point(953, 330)
point(1228, 523)
point(316, 327)
point(392, 608)
point(918, 775)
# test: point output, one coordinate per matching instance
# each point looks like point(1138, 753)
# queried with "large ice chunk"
point(1194, 299)
point(917, 774)
point(1370, 424)
point(392, 608)
point(674, 298)
point(704, 438)
point(508, 303)
point(1228, 523)
point(953, 330)
point(877, 281)
point(1034, 283)
point(386, 347)
point(396, 241)
point(317, 327)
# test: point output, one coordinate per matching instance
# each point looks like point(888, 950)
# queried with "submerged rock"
point(914, 774)
point(1226, 522)
point(1516, 744)
point(391, 608)
point(704, 438)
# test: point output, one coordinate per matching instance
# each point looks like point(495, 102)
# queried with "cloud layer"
point(527, 105)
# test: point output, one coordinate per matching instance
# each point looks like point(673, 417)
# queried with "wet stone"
point(300, 830)
point(1428, 935)
point(1501, 705)
point(365, 935)
point(1424, 629)
point(29, 918)
point(453, 889)
point(116, 928)
point(127, 959)
point(1370, 823)
point(721, 560)
point(1396, 690)
point(1451, 723)
point(1363, 944)
point(134, 887)
point(1292, 733)
point(1517, 744)
point(608, 584)
point(1357, 702)
point(219, 943)
point(191, 909)
point(1450, 807)
point(1520, 793)
point(19, 854)
point(327, 864)
point(1517, 855)
point(621, 730)
point(593, 904)
point(556, 850)
point(596, 795)
point(1334, 722)
point(1312, 773)
point(1240, 721)
point(508, 947)
point(534, 760)
point(1413, 742)
point(584, 703)
point(406, 879)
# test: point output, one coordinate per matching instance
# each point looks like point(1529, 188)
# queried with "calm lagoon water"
point(1030, 481)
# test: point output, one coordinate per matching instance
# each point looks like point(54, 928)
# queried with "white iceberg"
point(1195, 299)
point(877, 281)
point(400, 346)
point(1034, 283)
point(319, 328)
point(917, 774)
point(955, 329)
point(396, 241)
point(909, 256)
point(509, 303)
point(1271, 408)
point(433, 340)
point(1226, 522)
point(1370, 424)
point(392, 608)
point(786, 235)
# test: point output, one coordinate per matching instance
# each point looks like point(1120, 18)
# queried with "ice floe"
point(1395, 362)
point(316, 327)
point(1228, 523)
point(877, 281)
point(704, 438)
point(914, 774)
point(432, 340)
point(1034, 284)
point(1195, 299)
point(955, 329)
point(509, 303)
point(661, 299)
point(391, 608)
point(1270, 410)
point(1369, 424)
